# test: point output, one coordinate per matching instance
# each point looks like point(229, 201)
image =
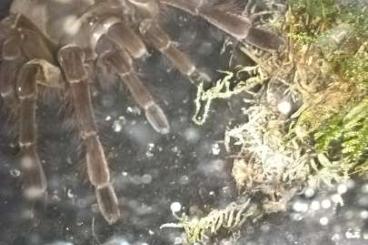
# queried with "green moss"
point(324, 9)
point(357, 17)
point(340, 33)
point(348, 132)
point(355, 68)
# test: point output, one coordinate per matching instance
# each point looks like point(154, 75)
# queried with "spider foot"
point(122, 65)
point(35, 183)
point(108, 203)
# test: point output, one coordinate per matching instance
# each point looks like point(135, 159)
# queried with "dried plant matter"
point(229, 219)
point(307, 125)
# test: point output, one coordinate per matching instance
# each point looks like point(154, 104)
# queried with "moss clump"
point(348, 132)
point(324, 75)
point(334, 112)
point(226, 220)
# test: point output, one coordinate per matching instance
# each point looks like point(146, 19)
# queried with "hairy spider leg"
point(238, 26)
point(35, 179)
point(113, 36)
point(71, 59)
point(157, 37)
point(12, 61)
point(125, 38)
point(122, 64)
point(160, 40)
point(250, 11)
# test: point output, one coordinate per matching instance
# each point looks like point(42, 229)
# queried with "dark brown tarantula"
point(60, 44)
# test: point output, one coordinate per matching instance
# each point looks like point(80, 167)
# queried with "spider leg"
point(71, 59)
point(12, 61)
point(122, 35)
point(162, 42)
point(126, 38)
point(35, 179)
point(250, 11)
point(122, 64)
point(236, 25)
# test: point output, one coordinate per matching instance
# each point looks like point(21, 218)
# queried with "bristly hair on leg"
point(233, 6)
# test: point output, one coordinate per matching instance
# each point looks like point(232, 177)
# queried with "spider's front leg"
point(237, 25)
point(71, 59)
point(163, 43)
point(121, 64)
point(156, 36)
point(35, 179)
point(12, 61)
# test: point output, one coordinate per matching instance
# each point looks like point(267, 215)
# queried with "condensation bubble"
point(118, 124)
point(146, 179)
point(15, 172)
point(309, 192)
point(184, 180)
point(353, 234)
point(364, 188)
point(342, 189)
point(315, 205)
point(296, 216)
point(335, 237)
point(300, 207)
point(150, 149)
point(323, 221)
point(337, 198)
point(70, 194)
point(178, 240)
point(364, 214)
point(192, 135)
point(326, 204)
point(284, 107)
point(134, 110)
point(215, 149)
point(175, 207)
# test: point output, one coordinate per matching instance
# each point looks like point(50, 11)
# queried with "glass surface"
point(153, 174)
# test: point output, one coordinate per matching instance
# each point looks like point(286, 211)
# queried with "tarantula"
point(62, 44)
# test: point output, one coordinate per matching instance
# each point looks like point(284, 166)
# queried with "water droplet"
point(284, 107)
point(342, 189)
point(309, 192)
point(364, 214)
point(352, 234)
point(323, 221)
point(315, 205)
point(15, 172)
point(150, 150)
point(184, 180)
point(175, 207)
point(192, 135)
point(70, 193)
point(118, 124)
point(326, 204)
point(215, 149)
point(146, 179)
point(300, 206)
point(134, 110)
